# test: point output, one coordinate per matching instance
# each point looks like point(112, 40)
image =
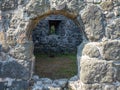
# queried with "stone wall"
point(65, 39)
point(98, 55)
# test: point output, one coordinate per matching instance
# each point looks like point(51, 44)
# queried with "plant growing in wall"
point(52, 29)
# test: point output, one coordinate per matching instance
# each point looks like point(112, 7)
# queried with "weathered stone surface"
point(48, 84)
point(61, 82)
point(118, 88)
point(101, 74)
point(95, 86)
point(3, 56)
point(93, 20)
point(22, 51)
point(109, 87)
point(97, 1)
point(113, 30)
point(74, 83)
point(14, 70)
point(2, 87)
point(2, 37)
point(55, 88)
point(111, 50)
point(35, 77)
point(96, 71)
point(91, 50)
point(117, 66)
point(58, 4)
point(19, 85)
point(117, 12)
point(39, 8)
point(46, 80)
point(75, 5)
point(110, 15)
point(107, 5)
point(11, 38)
point(90, 1)
point(8, 5)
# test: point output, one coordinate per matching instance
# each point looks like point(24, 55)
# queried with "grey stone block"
point(14, 70)
point(91, 50)
point(111, 50)
point(20, 85)
point(96, 71)
point(93, 19)
point(2, 86)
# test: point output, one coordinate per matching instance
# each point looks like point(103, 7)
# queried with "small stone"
point(110, 15)
point(75, 78)
point(117, 12)
point(107, 5)
point(54, 88)
point(89, 1)
point(97, 1)
point(35, 77)
point(74, 85)
point(37, 87)
point(61, 82)
point(46, 80)
point(39, 83)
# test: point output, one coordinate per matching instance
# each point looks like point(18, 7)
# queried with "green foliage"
point(52, 29)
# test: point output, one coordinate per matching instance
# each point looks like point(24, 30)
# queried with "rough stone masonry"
point(98, 57)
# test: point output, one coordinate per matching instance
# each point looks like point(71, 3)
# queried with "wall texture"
point(98, 55)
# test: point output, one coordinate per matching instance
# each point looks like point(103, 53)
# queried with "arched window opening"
point(55, 39)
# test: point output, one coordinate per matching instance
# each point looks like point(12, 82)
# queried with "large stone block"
point(93, 21)
point(96, 71)
point(91, 50)
point(19, 85)
point(113, 30)
point(14, 69)
point(111, 50)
